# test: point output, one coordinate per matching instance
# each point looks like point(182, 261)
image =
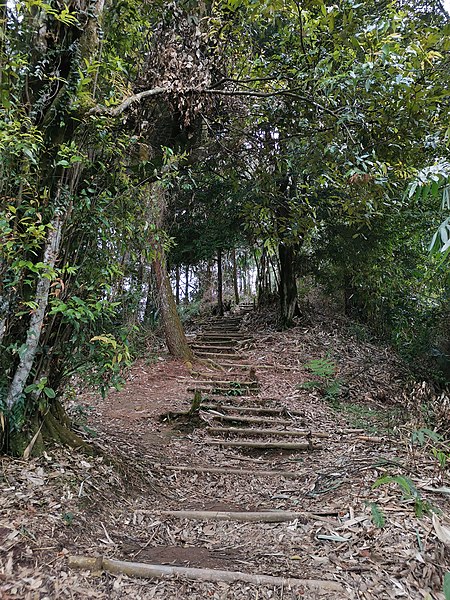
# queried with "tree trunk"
point(186, 286)
point(177, 285)
point(150, 314)
point(235, 277)
point(16, 389)
point(287, 286)
point(173, 329)
point(4, 309)
point(219, 283)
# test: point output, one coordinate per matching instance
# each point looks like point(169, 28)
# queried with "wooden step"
point(214, 342)
point(209, 348)
point(221, 334)
point(237, 376)
point(215, 356)
point(250, 409)
point(264, 516)
point(244, 366)
point(263, 445)
point(248, 431)
point(150, 571)
point(221, 391)
point(254, 420)
point(231, 471)
point(228, 384)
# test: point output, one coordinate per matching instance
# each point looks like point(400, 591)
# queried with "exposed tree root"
point(53, 428)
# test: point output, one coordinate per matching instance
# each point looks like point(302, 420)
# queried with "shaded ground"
point(369, 540)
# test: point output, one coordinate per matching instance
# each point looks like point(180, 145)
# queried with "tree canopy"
point(315, 132)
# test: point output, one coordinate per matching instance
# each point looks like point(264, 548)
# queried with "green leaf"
point(49, 392)
point(378, 517)
point(447, 586)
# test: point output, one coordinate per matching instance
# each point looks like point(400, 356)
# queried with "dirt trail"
point(262, 446)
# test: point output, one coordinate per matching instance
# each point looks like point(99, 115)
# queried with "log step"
point(254, 420)
point(245, 366)
point(237, 376)
point(251, 409)
point(211, 348)
point(223, 329)
point(263, 445)
point(265, 516)
point(221, 336)
point(232, 384)
point(229, 471)
point(263, 432)
point(221, 391)
point(133, 569)
point(213, 342)
point(213, 355)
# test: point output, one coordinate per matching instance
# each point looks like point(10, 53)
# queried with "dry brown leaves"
point(67, 503)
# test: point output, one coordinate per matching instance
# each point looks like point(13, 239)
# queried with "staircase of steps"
point(246, 437)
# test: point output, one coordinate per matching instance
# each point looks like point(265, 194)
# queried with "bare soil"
point(374, 541)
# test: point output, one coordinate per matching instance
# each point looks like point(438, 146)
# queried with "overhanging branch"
point(158, 91)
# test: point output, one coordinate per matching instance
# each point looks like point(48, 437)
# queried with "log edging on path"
point(133, 569)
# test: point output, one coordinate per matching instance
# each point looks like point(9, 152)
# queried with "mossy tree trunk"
point(57, 46)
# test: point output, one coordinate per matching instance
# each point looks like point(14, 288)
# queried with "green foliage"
point(327, 384)
point(189, 311)
point(235, 389)
point(196, 403)
point(372, 420)
point(423, 435)
point(409, 492)
point(446, 586)
point(321, 367)
point(341, 153)
point(378, 516)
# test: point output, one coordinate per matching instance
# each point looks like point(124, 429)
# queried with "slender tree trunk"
point(149, 312)
point(235, 277)
point(219, 283)
point(177, 285)
point(22, 373)
point(4, 310)
point(288, 286)
point(186, 286)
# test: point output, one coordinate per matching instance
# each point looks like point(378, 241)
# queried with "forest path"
point(263, 449)
point(306, 512)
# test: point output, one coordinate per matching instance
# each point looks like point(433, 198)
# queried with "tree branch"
point(291, 93)
point(118, 110)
